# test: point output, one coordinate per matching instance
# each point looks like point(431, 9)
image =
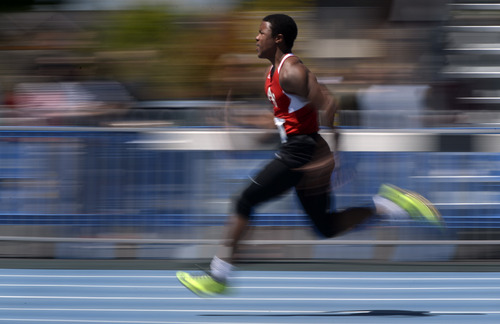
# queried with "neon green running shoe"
point(413, 203)
point(203, 286)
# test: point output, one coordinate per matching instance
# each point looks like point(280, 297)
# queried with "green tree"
point(184, 49)
point(142, 28)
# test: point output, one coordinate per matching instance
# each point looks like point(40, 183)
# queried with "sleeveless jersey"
point(293, 114)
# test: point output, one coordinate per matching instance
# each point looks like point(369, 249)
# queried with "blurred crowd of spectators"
point(88, 68)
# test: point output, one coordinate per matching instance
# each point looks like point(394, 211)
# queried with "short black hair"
point(285, 25)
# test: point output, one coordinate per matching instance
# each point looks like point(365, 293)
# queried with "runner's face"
point(266, 44)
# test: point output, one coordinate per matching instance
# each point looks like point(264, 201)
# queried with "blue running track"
point(155, 297)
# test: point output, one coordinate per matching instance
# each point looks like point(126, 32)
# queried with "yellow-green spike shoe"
point(413, 203)
point(203, 285)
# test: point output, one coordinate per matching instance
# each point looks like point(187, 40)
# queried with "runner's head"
point(284, 25)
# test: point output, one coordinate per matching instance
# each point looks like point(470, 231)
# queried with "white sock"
point(386, 207)
point(220, 269)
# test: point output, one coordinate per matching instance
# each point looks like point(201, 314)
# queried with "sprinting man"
point(304, 160)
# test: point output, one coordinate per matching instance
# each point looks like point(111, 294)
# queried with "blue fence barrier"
point(103, 178)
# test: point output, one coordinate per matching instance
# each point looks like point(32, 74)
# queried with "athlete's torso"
point(293, 114)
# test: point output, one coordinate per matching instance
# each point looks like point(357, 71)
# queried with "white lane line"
point(255, 287)
point(247, 298)
point(162, 310)
point(94, 286)
point(375, 278)
point(231, 311)
point(70, 320)
point(83, 276)
point(264, 278)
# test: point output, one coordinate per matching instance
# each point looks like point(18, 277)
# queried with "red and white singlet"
point(293, 114)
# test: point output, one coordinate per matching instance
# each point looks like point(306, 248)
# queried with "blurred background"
point(127, 126)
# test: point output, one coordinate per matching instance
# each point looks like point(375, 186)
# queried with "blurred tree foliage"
point(169, 53)
point(139, 28)
point(173, 55)
point(266, 5)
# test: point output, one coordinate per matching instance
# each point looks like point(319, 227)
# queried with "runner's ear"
point(278, 39)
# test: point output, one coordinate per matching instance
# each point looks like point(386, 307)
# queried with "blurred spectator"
point(72, 103)
point(392, 106)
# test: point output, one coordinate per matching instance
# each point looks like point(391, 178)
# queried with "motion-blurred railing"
point(165, 192)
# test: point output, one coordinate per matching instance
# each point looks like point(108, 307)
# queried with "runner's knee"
point(246, 201)
point(243, 207)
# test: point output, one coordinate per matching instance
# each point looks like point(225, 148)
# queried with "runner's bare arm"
point(297, 79)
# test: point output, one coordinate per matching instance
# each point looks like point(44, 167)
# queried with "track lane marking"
point(256, 287)
point(246, 298)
